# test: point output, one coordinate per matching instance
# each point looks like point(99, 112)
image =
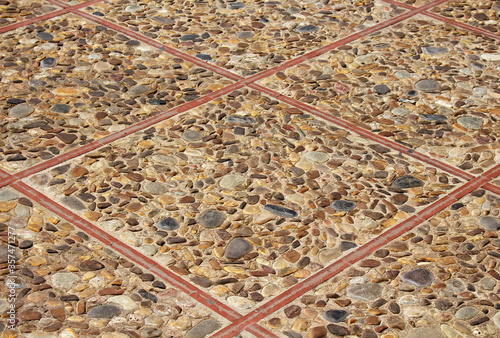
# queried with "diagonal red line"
point(354, 256)
point(448, 21)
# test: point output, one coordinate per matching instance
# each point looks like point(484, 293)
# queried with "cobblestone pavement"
point(249, 168)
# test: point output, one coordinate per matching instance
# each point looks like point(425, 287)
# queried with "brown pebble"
point(58, 313)
point(395, 322)
point(29, 315)
point(292, 311)
point(91, 265)
point(317, 332)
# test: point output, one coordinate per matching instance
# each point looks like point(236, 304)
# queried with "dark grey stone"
point(435, 50)
point(345, 245)
point(73, 203)
point(418, 277)
point(307, 29)
point(45, 36)
point(104, 311)
point(48, 62)
point(203, 329)
point(280, 211)
point(382, 89)
point(157, 102)
point(189, 37)
point(434, 117)
point(61, 108)
point(238, 248)
point(406, 182)
point(335, 316)
point(237, 5)
point(240, 119)
point(168, 224)
point(342, 205)
point(204, 57)
point(212, 219)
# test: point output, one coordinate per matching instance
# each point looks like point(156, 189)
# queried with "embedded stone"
point(406, 182)
point(231, 181)
point(61, 108)
point(335, 316)
point(155, 188)
point(238, 248)
point(212, 219)
point(124, 301)
point(21, 110)
point(73, 203)
point(345, 245)
point(168, 224)
point(191, 135)
point(189, 37)
point(48, 62)
point(418, 277)
point(307, 29)
point(489, 223)
point(427, 86)
point(203, 329)
point(91, 265)
point(367, 292)
point(45, 36)
point(467, 312)
point(317, 156)
point(342, 205)
point(104, 311)
point(280, 211)
point(240, 119)
point(382, 89)
point(64, 280)
point(470, 122)
point(435, 50)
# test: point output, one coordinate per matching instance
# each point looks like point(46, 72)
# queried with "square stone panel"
point(69, 82)
point(68, 284)
point(479, 13)
point(246, 37)
point(12, 12)
point(428, 86)
point(440, 279)
point(244, 196)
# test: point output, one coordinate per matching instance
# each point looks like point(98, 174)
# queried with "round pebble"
point(419, 277)
point(212, 219)
point(168, 224)
point(335, 316)
point(343, 205)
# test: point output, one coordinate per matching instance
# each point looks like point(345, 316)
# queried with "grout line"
point(447, 20)
point(354, 256)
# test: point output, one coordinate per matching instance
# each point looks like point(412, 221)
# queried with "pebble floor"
point(293, 169)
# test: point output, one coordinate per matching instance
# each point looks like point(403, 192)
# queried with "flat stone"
point(470, 122)
point(367, 292)
point(456, 285)
point(490, 57)
point(487, 283)
point(467, 312)
point(73, 203)
point(496, 319)
point(280, 211)
point(212, 219)
point(342, 205)
point(163, 20)
point(240, 119)
point(317, 332)
point(168, 224)
point(427, 86)
point(401, 111)
point(189, 37)
point(406, 182)
point(489, 223)
point(328, 255)
point(245, 35)
point(434, 117)
point(381, 89)
point(344, 245)
point(231, 181)
point(240, 302)
point(104, 311)
point(307, 29)
point(91, 265)
point(155, 188)
point(238, 248)
point(21, 110)
point(425, 332)
point(236, 5)
point(292, 311)
point(124, 301)
point(139, 89)
point(435, 50)
point(64, 280)
point(192, 135)
point(204, 57)
point(48, 62)
point(338, 330)
point(7, 195)
point(335, 316)
point(317, 156)
point(203, 329)
point(61, 108)
point(418, 277)
point(45, 36)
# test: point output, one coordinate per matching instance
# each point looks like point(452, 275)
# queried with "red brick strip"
point(137, 257)
point(354, 256)
point(448, 21)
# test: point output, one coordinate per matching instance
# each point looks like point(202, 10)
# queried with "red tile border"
point(354, 256)
point(448, 21)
